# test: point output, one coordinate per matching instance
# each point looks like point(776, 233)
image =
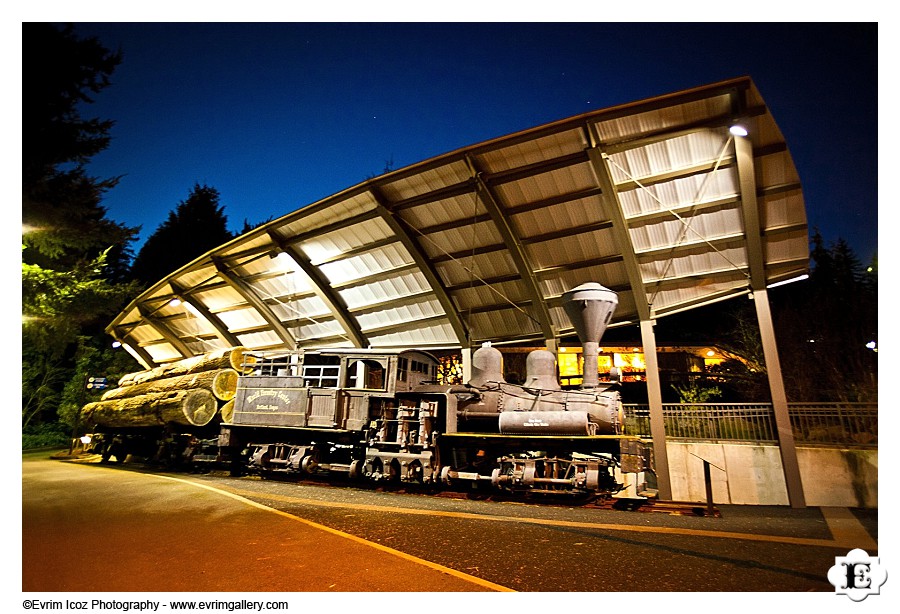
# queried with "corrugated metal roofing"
point(653, 199)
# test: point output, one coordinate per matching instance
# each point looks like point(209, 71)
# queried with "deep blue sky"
point(277, 116)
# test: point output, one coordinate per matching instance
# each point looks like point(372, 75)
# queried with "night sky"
point(280, 115)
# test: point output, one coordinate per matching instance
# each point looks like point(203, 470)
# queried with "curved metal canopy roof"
point(656, 200)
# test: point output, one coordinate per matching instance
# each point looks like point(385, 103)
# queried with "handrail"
point(819, 424)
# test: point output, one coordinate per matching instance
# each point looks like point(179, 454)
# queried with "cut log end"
point(227, 411)
point(224, 385)
point(199, 407)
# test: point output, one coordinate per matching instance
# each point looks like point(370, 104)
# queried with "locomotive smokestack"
point(590, 307)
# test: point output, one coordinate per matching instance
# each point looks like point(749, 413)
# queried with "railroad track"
point(640, 504)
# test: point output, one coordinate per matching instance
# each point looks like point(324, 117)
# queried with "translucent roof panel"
point(654, 199)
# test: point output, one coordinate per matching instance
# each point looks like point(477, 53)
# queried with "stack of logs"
point(189, 392)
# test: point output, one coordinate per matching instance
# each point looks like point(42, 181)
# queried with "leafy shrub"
point(51, 434)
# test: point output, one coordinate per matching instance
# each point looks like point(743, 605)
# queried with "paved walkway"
point(192, 538)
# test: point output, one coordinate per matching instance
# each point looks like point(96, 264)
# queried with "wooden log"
point(222, 383)
point(198, 407)
point(228, 358)
point(226, 412)
point(183, 407)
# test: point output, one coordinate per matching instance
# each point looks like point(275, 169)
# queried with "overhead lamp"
point(117, 344)
point(738, 130)
point(175, 302)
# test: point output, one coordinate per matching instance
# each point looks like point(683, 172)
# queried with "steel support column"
point(779, 402)
point(612, 208)
point(657, 424)
point(467, 364)
point(750, 212)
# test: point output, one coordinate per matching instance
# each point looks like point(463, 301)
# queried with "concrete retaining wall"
point(752, 474)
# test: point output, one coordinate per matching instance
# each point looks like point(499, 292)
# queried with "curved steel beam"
point(137, 352)
point(425, 266)
point(221, 330)
point(160, 327)
point(249, 295)
point(516, 250)
point(324, 291)
point(612, 208)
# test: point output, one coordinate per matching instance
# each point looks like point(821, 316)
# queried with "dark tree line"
point(827, 327)
point(195, 226)
point(74, 259)
point(78, 267)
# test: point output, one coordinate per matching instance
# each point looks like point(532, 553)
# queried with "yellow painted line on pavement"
point(780, 539)
point(236, 495)
point(847, 530)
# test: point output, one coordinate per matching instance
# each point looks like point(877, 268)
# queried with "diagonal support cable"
point(686, 225)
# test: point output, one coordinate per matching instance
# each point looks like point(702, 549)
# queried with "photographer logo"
point(857, 575)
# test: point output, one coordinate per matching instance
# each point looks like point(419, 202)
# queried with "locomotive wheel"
point(414, 473)
point(392, 471)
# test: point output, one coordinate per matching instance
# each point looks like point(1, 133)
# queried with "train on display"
point(381, 416)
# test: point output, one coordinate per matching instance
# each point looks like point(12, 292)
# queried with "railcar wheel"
point(356, 469)
point(309, 465)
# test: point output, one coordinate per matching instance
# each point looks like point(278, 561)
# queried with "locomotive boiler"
point(375, 415)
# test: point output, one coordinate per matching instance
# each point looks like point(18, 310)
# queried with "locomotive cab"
point(334, 410)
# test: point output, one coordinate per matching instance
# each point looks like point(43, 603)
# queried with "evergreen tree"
point(63, 220)
point(823, 325)
point(74, 259)
point(197, 225)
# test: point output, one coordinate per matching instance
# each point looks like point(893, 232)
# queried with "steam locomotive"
point(372, 415)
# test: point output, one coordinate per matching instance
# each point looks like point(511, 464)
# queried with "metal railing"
point(825, 424)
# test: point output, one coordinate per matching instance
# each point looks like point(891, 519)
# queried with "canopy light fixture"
point(738, 130)
point(788, 281)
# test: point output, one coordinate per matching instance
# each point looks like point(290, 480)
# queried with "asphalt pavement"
point(165, 534)
point(107, 528)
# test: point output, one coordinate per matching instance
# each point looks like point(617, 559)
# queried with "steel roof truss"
point(221, 330)
point(612, 208)
point(170, 337)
